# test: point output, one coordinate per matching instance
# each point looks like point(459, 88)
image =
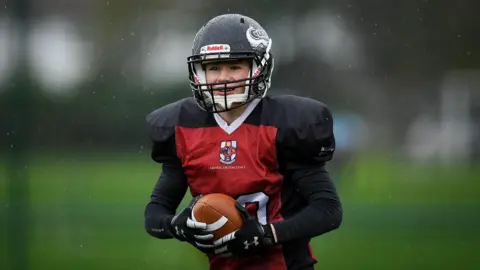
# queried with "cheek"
point(242, 75)
point(245, 73)
point(210, 77)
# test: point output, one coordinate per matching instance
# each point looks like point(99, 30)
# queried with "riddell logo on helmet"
point(215, 48)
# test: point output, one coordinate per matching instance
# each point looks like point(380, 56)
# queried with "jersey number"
point(256, 205)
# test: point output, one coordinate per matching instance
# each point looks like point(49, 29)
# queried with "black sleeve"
point(172, 184)
point(166, 196)
point(304, 146)
point(324, 210)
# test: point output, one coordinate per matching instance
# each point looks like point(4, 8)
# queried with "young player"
point(267, 152)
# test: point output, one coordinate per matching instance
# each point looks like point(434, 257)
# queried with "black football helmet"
point(230, 37)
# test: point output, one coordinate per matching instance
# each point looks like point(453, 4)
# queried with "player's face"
point(227, 71)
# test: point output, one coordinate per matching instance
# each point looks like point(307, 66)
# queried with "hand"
point(185, 229)
point(252, 237)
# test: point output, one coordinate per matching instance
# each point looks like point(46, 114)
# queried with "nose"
point(224, 75)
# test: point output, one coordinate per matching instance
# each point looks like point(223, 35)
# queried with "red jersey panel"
point(242, 165)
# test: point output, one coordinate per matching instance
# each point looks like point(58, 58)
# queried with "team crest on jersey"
point(228, 152)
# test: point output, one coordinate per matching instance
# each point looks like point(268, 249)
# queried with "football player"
point(267, 152)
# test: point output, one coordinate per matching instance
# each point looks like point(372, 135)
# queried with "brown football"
point(219, 212)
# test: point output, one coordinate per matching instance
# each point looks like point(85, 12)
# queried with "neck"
point(232, 115)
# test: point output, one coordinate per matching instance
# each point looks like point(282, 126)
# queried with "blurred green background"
point(86, 213)
point(78, 78)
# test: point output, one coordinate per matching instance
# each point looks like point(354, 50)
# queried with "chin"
point(234, 104)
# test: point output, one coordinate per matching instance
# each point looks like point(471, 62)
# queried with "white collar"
point(239, 121)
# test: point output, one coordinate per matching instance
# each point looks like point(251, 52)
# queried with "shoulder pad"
point(161, 125)
point(289, 111)
point(305, 133)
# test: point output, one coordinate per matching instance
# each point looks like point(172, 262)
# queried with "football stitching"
point(215, 210)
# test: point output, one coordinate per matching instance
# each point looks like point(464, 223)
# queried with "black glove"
point(185, 229)
point(252, 237)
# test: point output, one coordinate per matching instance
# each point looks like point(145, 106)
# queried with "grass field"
point(87, 213)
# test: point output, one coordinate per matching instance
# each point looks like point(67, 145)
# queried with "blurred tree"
point(21, 115)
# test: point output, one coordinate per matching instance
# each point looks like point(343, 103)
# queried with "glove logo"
point(254, 243)
point(179, 232)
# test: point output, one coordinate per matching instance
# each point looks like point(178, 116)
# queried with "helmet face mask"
point(230, 37)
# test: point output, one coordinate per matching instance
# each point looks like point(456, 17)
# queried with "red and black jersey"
point(255, 162)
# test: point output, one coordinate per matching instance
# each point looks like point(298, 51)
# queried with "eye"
point(235, 67)
point(213, 68)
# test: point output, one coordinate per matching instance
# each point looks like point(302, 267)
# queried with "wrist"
point(167, 223)
point(270, 233)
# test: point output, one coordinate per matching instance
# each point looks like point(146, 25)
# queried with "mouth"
point(223, 93)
